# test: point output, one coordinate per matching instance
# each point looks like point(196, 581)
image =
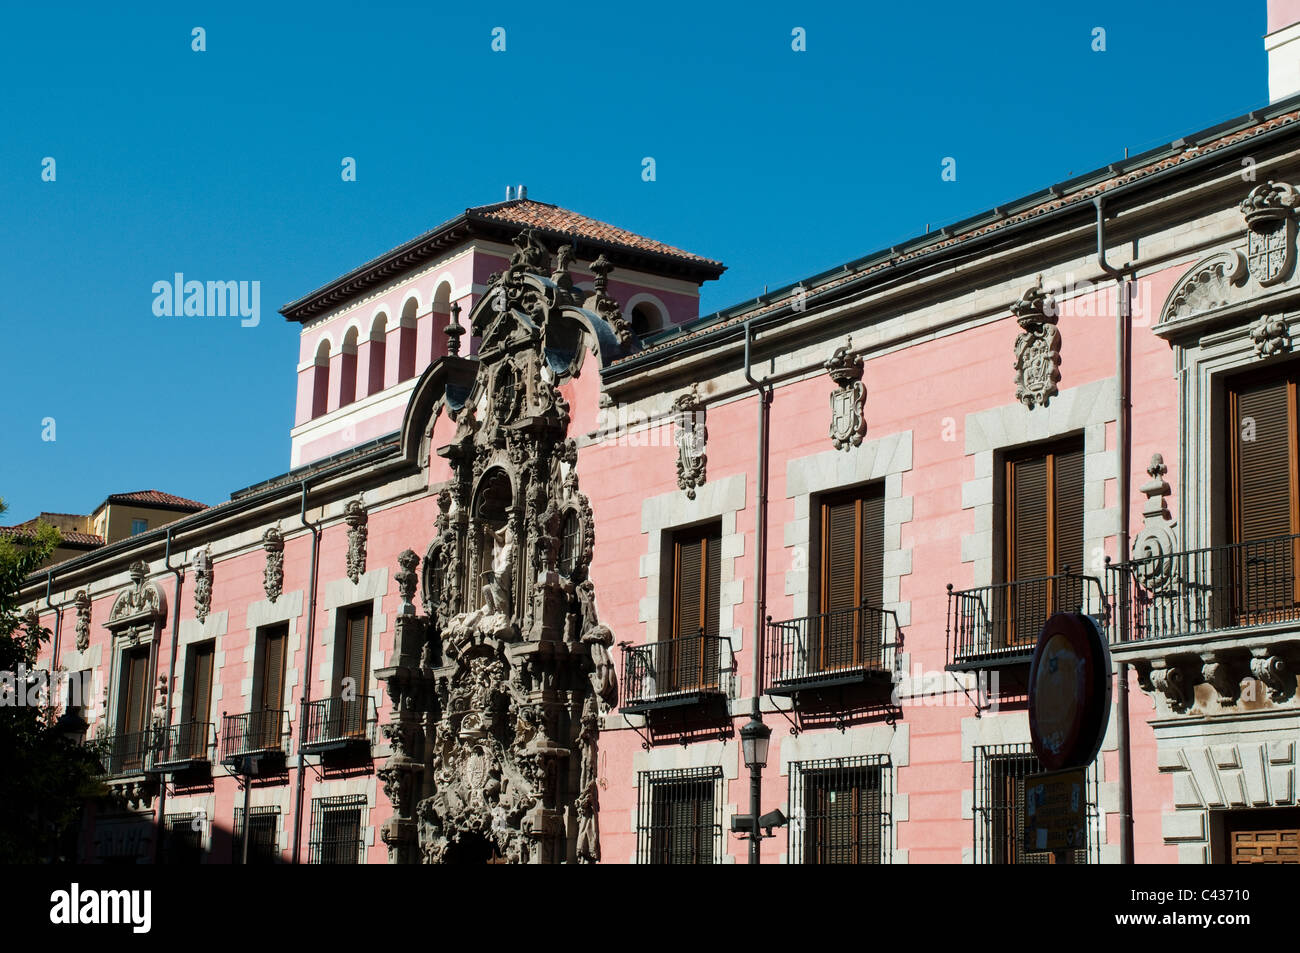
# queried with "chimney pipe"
point(510, 192)
point(523, 191)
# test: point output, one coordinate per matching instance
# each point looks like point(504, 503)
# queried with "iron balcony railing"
point(127, 753)
point(837, 647)
point(679, 671)
point(331, 723)
point(182, 745)
point(253, 733)
point(999, 624)
point(1198, 591)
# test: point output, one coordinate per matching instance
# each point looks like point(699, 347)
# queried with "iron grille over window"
point(1000, 772)
point(337, 824)
point(264, 835)
point(184, 838)
point(570, 543)
point(679, 816)
point(840, 811)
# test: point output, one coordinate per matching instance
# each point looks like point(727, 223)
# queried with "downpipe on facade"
point(1124, 440)
point(160, 820)
point(306, 681)
point(760, 588)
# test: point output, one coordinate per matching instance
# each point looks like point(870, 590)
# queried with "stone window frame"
point(894, 741)
point(339, 596)
point(192, 632)
point(288, 607)
point(1088, 409)
point(662, 516)
point(828, 471)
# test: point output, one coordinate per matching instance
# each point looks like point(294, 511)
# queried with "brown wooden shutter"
point(201, 685)
point(135, 690)
point(1027, 529)
point(1067, 542)
point(691, 663)
point(1263, 435)
point(273, 671)
point(356, 662)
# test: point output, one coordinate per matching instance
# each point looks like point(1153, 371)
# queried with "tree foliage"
point(45, 778)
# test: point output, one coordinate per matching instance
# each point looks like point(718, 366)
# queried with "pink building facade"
point(525, 580)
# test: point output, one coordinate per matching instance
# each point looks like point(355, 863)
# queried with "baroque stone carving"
point(1176, 679)
point(1274, 669)
point(691, 436)
point(1271, 335)
point(1155, 545)
point(202, 584)
point(1211, 283)
point(848, 417)
point(144, 600)
point(499, 686)
point(1269, 211)
point(82, 602)
point(273, 574)
point(354, 514)
point(1037, 348)
point(1224, 671)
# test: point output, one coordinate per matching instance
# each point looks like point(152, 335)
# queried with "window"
point(336, 829)
point(839, 811)
point(1000, 773)
point(1265, 836)
point(268, 692)
point(852, 580)
point(139, 526)
point(132, 711)
point(570, 543)
point(690, 660)
point(352, 662)
point(1043, 525)
point(263, 832)
point(183, 842)
point(1263, 497)
point(679, 816)
point(192, 741)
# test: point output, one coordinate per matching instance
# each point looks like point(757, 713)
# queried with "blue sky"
point(225, 164)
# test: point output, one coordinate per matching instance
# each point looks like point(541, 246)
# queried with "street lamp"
point(754, 739)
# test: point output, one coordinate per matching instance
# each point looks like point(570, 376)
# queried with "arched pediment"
point(143, 603)
point(1214, 282)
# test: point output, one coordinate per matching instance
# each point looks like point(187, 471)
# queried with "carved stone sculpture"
point(691, 435)
point(1269, 211)
point(1271, 335)
point(273, 575)
point(82, 601)
point(354, 514)
point(848, 417)
point(1038, 347)
point(202, 584)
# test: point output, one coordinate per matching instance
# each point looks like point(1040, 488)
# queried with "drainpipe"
point(171, 683)
point(760, 590)
point(58, 621)
point(1124, 439)
point(306, 679)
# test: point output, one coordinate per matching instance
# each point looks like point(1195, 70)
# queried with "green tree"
point(45, 778)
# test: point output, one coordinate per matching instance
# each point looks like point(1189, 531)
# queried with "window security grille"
point(264, 835)
point(679, 816)
point(1000, 773)
point(184, 838)
point(840, 811)
point(337, 824)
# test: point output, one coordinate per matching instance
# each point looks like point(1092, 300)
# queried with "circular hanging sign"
point(1069, 691)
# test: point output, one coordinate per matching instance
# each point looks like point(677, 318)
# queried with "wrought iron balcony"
point(841, 647)
point(253, 734)
point(332, 724)
point(127, 753)
point(997, 626)
point(183, 746)
point(676, 672)
point(1199, 591)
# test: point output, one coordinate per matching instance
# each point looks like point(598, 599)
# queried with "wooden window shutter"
point(1027, 518)
point(691, 663)
point(356, 663)
point(201, 686)
point(1068, 505)
point(135, 690)
point(1263, 502)
point(273, 670)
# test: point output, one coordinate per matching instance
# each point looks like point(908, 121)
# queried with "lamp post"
point(754, 739)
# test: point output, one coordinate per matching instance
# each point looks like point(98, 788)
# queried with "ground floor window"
point(337, 825)
point(183, 843)
point(679, 816)
point(840, 811)
point(1266, 836)
point(263, 826)
point(999, 807)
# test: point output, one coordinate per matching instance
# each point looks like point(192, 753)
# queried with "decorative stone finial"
point(453, 330)
point(601, 268)
point(407, 580)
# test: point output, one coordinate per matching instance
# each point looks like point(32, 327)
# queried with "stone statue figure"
point(587, 803)
point(497, 593)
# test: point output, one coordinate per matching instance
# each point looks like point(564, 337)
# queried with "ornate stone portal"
point(498, 688)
